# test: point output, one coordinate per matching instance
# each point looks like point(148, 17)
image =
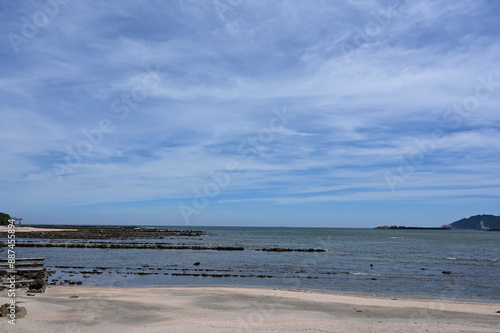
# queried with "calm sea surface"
point(386, 262)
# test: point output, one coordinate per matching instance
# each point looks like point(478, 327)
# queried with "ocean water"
point(358, 261)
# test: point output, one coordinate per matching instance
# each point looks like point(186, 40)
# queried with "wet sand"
point(234, 309)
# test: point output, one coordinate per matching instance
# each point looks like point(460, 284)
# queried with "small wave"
point(395, 276)
point(471, 259)
point(494, 260)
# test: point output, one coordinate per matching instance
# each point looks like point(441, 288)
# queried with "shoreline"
point(241, 309)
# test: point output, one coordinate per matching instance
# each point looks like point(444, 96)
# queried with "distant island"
point(476, 222)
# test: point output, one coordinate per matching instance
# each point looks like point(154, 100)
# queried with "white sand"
point(4, 228)
point(218, 309)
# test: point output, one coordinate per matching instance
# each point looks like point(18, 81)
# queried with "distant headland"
point(476, 222)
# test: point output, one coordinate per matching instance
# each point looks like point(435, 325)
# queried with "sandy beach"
point(4, 228)
point(232, 309)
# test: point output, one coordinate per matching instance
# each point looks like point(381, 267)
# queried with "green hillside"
point(4, 219)
point(474, 222)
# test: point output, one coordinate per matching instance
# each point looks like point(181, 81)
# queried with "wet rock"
point(38, 286)
point(133, 246)
point(280, 249)
point(104, 232)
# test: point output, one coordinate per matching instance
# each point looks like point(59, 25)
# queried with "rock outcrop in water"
point(102, 232)
point(130, 246)
point(280, 249)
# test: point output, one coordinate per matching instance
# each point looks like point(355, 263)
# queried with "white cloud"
point(223, 72)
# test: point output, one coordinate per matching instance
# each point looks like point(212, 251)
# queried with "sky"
point(352, 113)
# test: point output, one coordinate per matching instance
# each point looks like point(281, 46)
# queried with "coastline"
point(161, 257)
point(241, 309)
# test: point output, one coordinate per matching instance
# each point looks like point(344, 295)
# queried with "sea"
point(356, 261)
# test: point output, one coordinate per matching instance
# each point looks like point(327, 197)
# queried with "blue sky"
point(233, 112)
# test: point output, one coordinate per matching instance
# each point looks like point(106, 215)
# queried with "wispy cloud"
point(220, 74)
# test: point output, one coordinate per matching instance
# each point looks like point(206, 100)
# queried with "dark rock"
point(20, 312)
point(104, 232)
point(280, 249)
point(446, 272)
point(38, 285)
point(197, 263)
